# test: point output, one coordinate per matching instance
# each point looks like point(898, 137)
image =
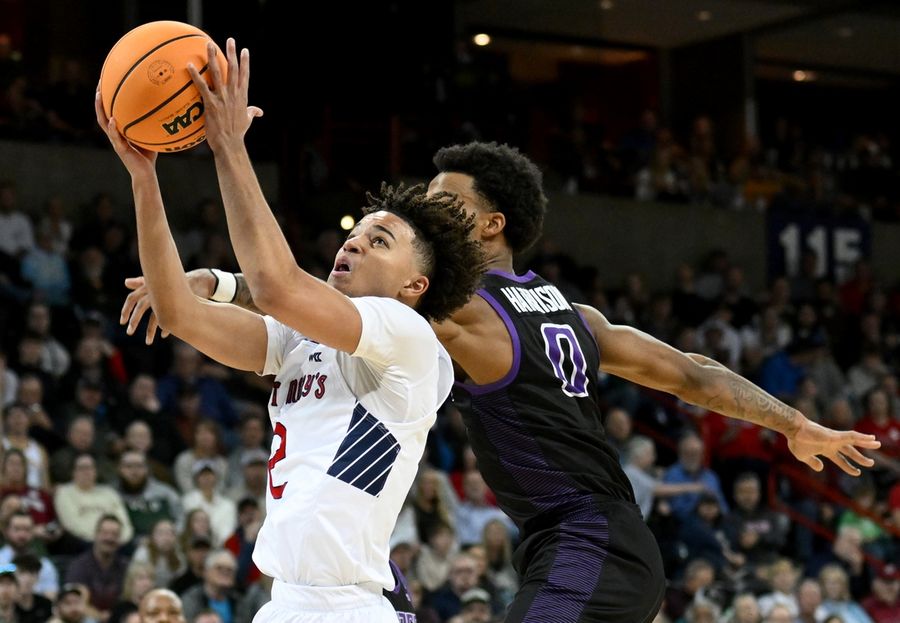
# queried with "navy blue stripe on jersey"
point(367, 453)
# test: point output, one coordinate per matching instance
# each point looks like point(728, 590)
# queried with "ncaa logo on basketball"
point(179, 122)
point(160, 72)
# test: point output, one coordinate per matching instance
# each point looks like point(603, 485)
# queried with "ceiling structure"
point(861, 36)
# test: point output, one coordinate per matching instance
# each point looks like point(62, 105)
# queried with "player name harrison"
point(541, 299)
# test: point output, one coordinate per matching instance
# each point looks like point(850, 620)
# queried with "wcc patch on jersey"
point(367, 453)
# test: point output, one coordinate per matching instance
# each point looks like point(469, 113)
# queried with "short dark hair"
point(452, 262)
point(508, 180)
point(107, 517)
point(27, 562)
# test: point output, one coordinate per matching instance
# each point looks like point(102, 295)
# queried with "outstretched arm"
point(202, 283)
point(278, 285)
point(642, 359)
point(210, 327)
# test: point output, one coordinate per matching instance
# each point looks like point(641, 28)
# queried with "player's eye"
point(379, 240)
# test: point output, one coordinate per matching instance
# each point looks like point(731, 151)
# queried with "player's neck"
point(499, 259)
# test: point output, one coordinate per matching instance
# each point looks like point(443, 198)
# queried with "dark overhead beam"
point(822, 12)
point(513, 34)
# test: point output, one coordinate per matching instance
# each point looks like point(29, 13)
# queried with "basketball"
point(145, 85)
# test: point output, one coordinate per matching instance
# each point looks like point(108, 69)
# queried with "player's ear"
point(416, 287)
point(492, 223)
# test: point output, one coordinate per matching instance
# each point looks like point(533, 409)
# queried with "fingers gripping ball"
point(146, 88)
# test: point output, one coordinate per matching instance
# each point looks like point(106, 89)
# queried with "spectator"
point(618, 426)
point(702, 611)
point(782, 577)
point(779, 614)
point(196, 552)
point(690, 469)
point(836, 590)
point(702, 535)
point(36, 501)
point(82, 439)
point(447, 600)
point(752, 530)
point(252, 436)
point(101, 568)
point(242, 542)
point(147, 500)
point(139, 437)
point(865, 374)
point(16, 425)
point(699, 575)
point(883, 605)
point(498, 556)
point(139, 580)
point(162, 553)
point(82, 503)
point(875, 540)
point(879, 421)
point(72, 605)
point(473, 513)
point(222, 511)
point(255, 470)
point(475, 607)
point(640, 457)
point(55, 225)
point(205, 448)
point(216, 592)
point(847, 553)
point(745, 609)
point(9, 383)
point(16, 233)
point(55, 359)
point(9, 593)
point(30, 606)
point(214, 399)
point(809, 602)
point(196, 523)
point(429, 505)
point(46, 270)
point(161, 606)
point(18, 533)
point(435, 557)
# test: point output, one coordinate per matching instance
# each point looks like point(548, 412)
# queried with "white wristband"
point(226, 286)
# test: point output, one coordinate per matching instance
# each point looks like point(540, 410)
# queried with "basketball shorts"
point(326, 604)
point(599, 563)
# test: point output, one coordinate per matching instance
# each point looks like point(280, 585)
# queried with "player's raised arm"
point(211, 328)
point(278, 285)
point(642, 359)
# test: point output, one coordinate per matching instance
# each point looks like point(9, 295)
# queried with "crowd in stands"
point(127, 466)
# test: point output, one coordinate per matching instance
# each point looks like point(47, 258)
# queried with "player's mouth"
point(341, 267)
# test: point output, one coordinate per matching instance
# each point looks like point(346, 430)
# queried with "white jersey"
point(349, 433)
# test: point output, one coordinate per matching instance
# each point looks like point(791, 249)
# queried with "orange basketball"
point(145, 85)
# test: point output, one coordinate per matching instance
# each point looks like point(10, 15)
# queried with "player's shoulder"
point(391, 314)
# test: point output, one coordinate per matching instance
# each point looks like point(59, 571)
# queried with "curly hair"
point(508, 180)
point(452, 261)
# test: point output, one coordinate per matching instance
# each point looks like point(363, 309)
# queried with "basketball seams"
point(131, 69)
point(161, 105)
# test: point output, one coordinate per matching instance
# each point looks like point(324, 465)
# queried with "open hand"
point(137, 303)
point(228, 117)
point(135, 159)
point(813, 440)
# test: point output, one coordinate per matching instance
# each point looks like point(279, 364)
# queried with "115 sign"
point(838, 243)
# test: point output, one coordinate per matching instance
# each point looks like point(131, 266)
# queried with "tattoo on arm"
point(242, 296)
point(739, 398)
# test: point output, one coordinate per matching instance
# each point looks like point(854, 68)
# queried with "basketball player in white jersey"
point(358, 371)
